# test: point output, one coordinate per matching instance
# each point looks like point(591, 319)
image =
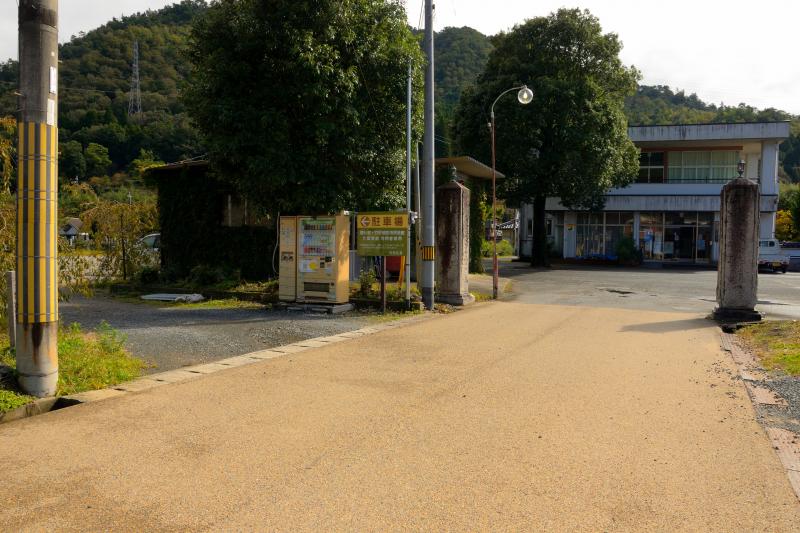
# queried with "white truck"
point(771, 256)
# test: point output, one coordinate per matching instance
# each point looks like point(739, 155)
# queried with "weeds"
point(777, 343)
point(87, 361)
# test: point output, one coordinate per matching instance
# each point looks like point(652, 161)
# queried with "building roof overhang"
point(754, 131)
point(469, 167)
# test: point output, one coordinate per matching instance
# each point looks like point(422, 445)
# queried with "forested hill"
point(96, 73)
point(462, 53)
point(95, 79)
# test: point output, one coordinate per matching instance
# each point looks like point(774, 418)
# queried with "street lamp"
point(524, 96)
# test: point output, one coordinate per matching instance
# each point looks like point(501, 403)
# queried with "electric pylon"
point(135, 100)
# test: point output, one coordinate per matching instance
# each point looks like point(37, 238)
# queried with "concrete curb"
point(785, 443)
point(44, 405)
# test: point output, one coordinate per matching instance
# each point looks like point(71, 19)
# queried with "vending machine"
point(315, 264)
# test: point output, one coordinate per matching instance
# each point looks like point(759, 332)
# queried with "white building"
point(672, 211)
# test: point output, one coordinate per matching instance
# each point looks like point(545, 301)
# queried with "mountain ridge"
point(96, 73)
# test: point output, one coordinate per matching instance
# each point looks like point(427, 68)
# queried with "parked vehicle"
point(771, 256)
point(151, 241)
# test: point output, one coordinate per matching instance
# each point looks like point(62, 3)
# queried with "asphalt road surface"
point(667, 289)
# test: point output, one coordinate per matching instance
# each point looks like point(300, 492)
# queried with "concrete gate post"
point(737, 275)
point(452, 242)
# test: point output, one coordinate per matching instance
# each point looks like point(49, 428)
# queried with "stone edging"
point(785, 443)
point(151, 381)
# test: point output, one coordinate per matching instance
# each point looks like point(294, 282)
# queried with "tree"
point(571, 141)
point(8, 237)
point(145, 160)
point(71, 161)
point(784, 226)
point(303, 104)
point(8, 152)
point(97, 160)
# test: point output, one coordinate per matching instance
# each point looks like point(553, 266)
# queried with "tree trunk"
point(539, 254)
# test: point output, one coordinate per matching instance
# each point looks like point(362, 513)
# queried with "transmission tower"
point(135, 101)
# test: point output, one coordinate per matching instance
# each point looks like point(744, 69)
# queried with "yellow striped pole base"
point(37, 224)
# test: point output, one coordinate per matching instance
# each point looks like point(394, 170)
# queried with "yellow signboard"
point(382, 234)
point(382, 221)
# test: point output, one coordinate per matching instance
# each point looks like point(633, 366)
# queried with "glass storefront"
point(651, 235)
point(680, 236)
point(598, 234)
point(677, 236)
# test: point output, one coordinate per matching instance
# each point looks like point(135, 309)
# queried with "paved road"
point(668, 289)
point(507, 416)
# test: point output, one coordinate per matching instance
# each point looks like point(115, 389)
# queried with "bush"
point(148, 276)
point(208, 276)
point(504, 248)
point(627, 253)
point(365, 280)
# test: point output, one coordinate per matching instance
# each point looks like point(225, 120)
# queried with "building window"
point(597, 235)
point(718, 166)
point(651, 167)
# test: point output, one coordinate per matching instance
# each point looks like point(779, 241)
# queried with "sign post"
point(382, 235)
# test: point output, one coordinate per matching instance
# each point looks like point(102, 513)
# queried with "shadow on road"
point(520, 268)
point(669, 326)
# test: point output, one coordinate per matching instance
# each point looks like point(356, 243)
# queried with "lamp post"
point(524, 96)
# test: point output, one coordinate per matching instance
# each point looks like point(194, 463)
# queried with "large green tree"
point(302, 103)
point(571, 141)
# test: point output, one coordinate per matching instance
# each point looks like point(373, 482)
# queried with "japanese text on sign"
point(382, 234)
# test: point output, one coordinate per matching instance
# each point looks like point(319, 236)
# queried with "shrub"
point(365, 280)
point(627, 253)
point(148, 275)
point(208, 276)
point(504, 248)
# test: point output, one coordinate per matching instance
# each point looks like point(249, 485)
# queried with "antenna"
point(135, 101)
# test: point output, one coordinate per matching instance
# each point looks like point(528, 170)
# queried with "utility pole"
point(428, 156)
point(37, 198)
point(408, 185)
point(135, 99)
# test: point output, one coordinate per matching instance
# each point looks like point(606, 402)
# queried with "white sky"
point(727, 51)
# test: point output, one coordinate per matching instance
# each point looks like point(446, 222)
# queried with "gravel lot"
point(170, 336)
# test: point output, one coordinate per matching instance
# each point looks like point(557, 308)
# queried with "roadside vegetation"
point(777, 344)
point(224, 303)
point(86, 361)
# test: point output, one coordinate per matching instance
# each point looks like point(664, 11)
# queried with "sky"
point(726, 51)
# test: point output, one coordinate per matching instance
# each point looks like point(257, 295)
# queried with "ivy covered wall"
point(191, 203)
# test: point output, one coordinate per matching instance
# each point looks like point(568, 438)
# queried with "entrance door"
point(679, 243)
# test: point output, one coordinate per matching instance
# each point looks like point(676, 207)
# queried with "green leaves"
point(302, 103)
point(571, 140)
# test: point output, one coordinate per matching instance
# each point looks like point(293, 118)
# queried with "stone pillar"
point(452, 243)
point(737, 274)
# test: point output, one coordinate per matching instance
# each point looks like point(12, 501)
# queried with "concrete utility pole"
point(408, 183)
point(428, 156)
point(37, 198)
